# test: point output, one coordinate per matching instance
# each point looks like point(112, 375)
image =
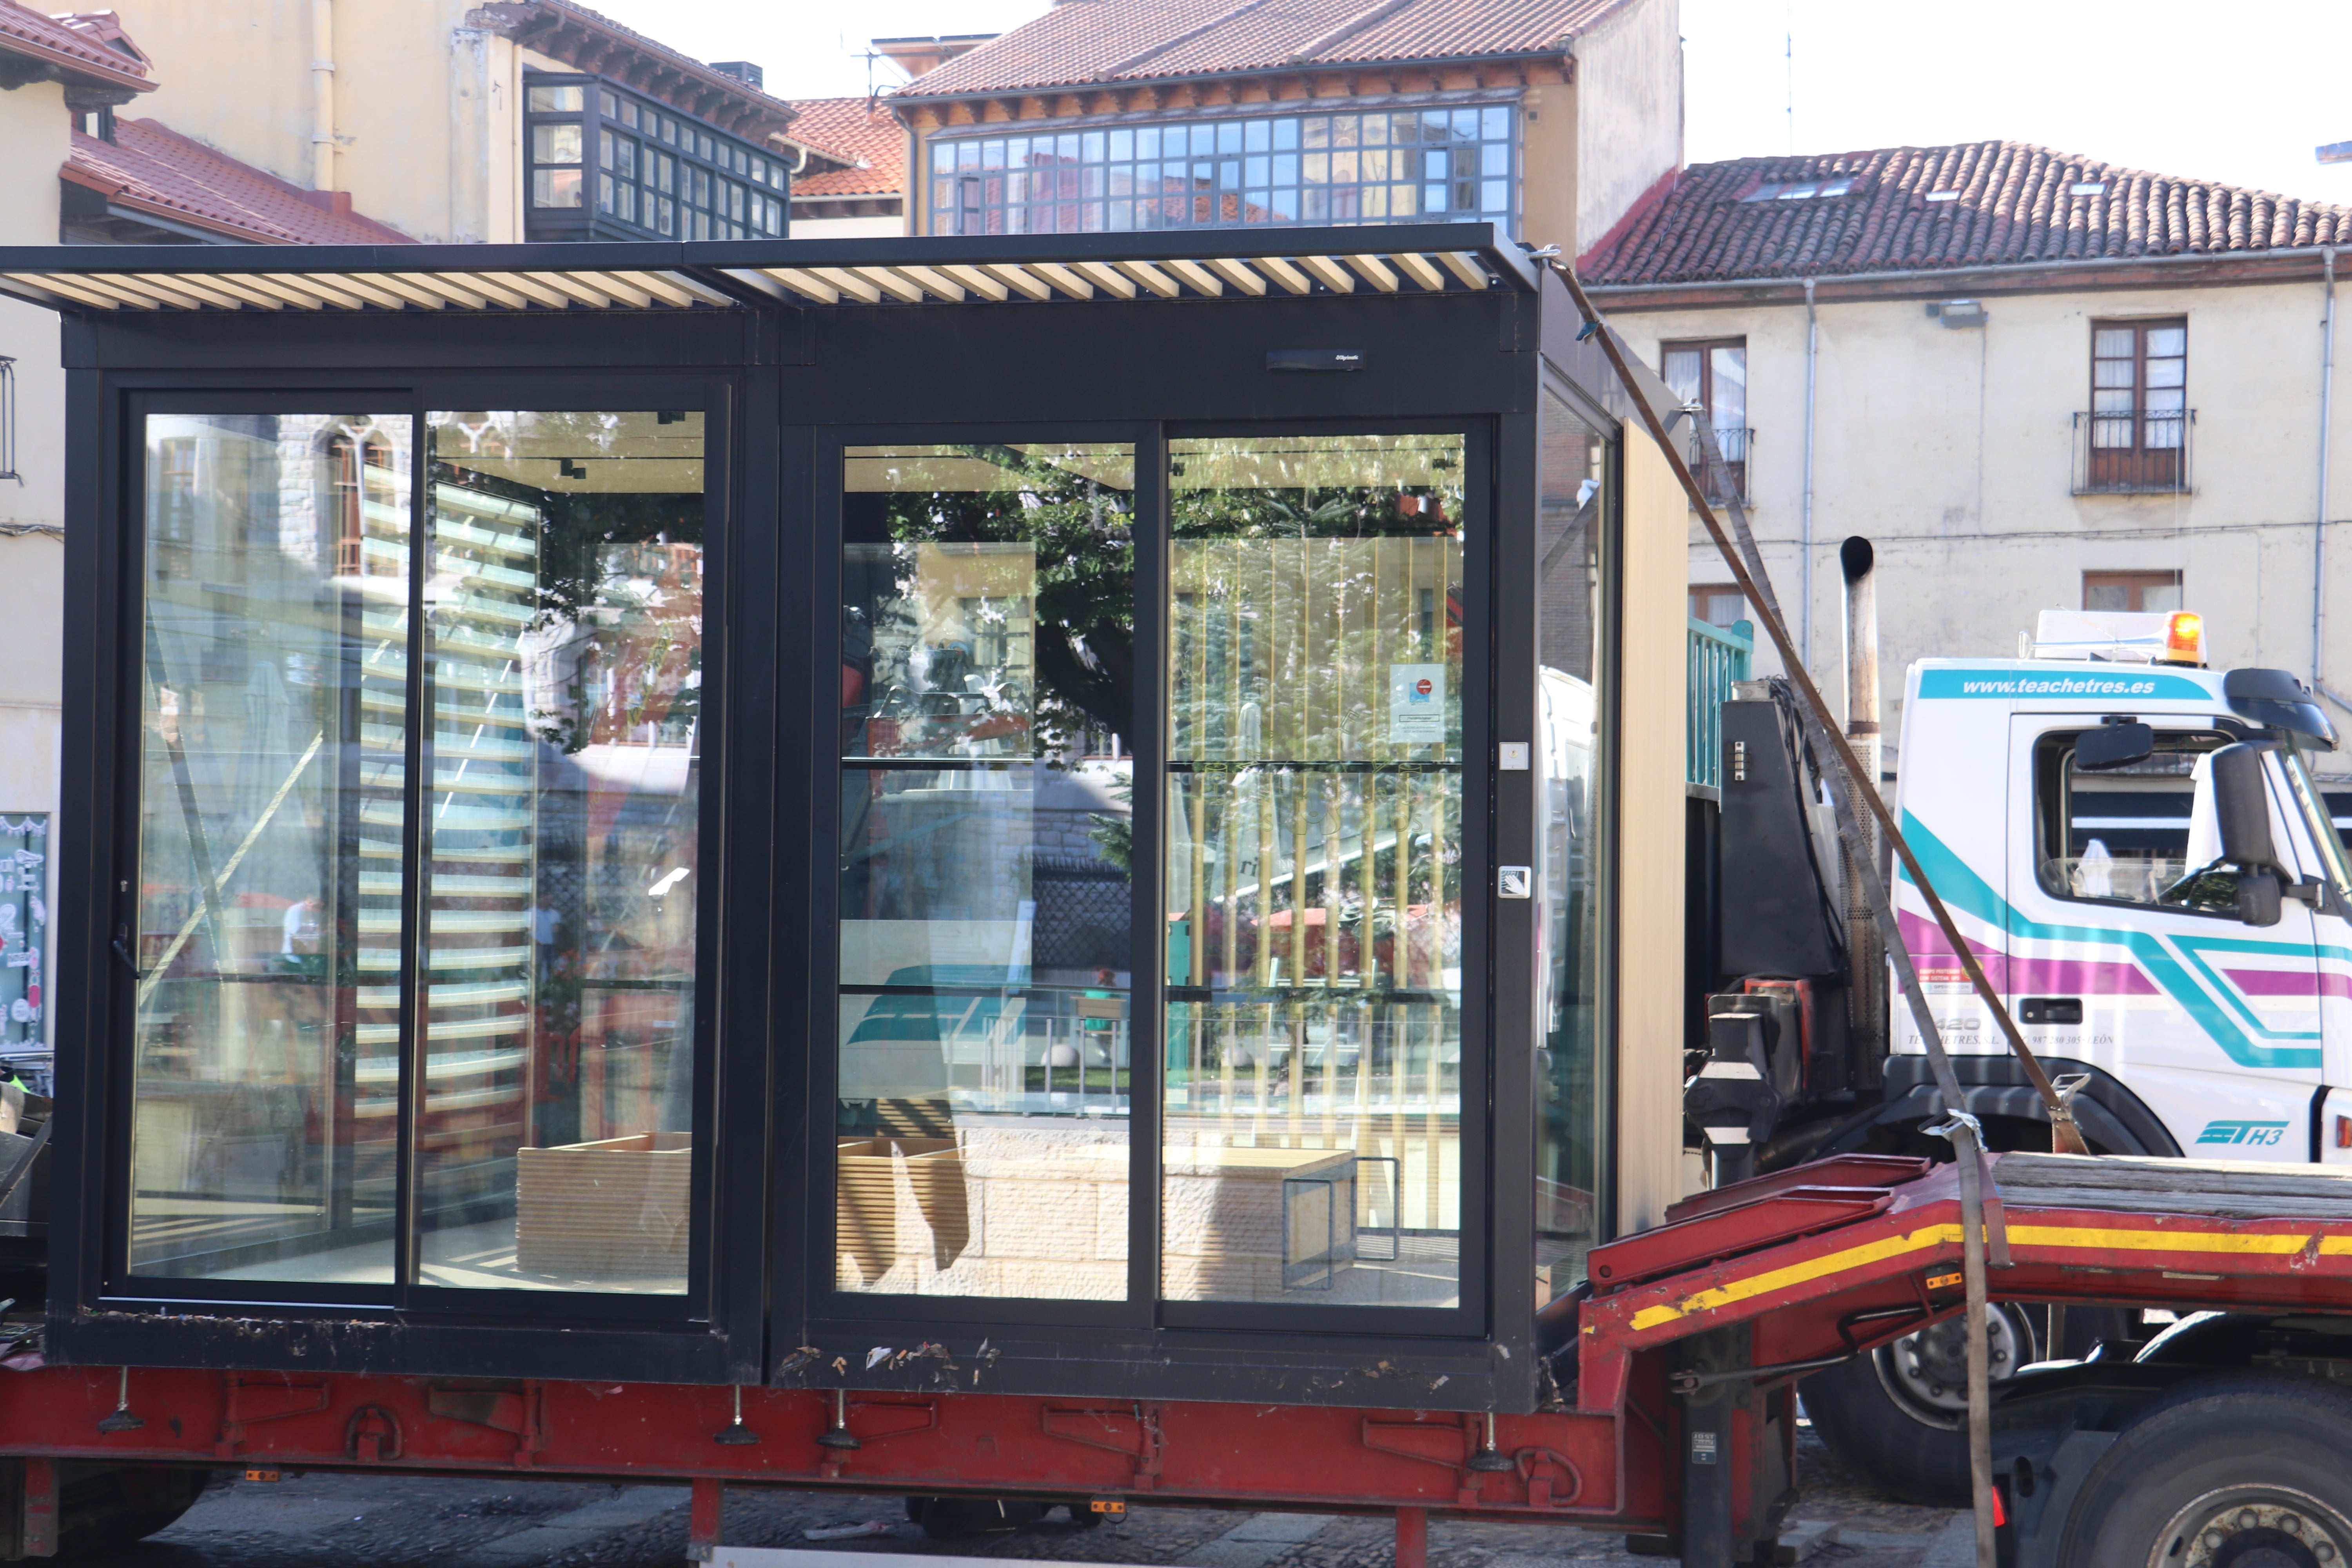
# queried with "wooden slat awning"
point(1372, 260)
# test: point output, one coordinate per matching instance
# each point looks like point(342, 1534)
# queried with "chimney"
point(743, 71)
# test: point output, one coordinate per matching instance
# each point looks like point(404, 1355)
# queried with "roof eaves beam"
point(933, 281)
point(300, 294)
point(367, 288)
point(493, 288)
point(1199, 279)
point(439, 283)
point(806, 284)
point(751, 278)
point(1417, 268)
point(206, 291)
point(1106, 276)
point(532, 288)
point(71, 289)
point(1069, 282)
point(408, 293)
point(572, 289)
point(1151, 277)
point(1238, 273)
point(1330, 273)
point(852, 283)
point(1280, 270)
point(1020, 279)
point(699, 292)
point(905, 291)
point(1466, 266)
point(978, 281)
point(613, 284)
point(238, 288)
point(656, 286)
point(143, 297)
point(1375, 271)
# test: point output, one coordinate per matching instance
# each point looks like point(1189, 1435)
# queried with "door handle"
point(123, 952)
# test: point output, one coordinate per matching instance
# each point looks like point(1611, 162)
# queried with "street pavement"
point(405, 1522)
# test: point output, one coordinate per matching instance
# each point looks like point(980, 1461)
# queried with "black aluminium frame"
point(801, 382)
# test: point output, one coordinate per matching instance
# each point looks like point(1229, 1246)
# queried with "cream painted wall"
point(1951, 449)
point(1547, 182)
point(847, 227)
point(36, 132)
point(1629, 112)
point(1650, 816)
point(427, 123)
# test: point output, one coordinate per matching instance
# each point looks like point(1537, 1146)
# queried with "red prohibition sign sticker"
point(1422, 686)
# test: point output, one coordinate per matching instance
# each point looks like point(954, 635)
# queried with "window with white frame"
point(1432, 165)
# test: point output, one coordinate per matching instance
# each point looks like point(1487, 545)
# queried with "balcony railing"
point(2134, 451)
point(1720, 655)
point(1725, 478)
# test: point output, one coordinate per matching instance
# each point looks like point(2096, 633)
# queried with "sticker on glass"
point(1417, 704)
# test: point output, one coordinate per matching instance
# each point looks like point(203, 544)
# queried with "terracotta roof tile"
point(82, 51)
point(153, 169)
point(1085, 41)
point(2014, 203)
point(850, 132)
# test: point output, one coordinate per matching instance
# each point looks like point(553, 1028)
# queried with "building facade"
point(1553, 119)
point(456, 121)
point(2030, 379)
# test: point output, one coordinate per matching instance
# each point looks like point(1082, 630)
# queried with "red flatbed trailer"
point(1674, 1420)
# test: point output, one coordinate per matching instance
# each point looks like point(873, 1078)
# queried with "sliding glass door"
point(1313, 871)
point(417, 936)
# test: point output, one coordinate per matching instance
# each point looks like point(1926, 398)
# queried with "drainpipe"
point(1805, 516)
point(1865, 948)
point(2319, 528)
point(322, 95)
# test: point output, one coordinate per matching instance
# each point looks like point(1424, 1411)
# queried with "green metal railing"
point(1719, 655)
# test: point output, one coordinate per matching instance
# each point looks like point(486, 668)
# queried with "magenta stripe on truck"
point(2022, 976)
point(2290, 983)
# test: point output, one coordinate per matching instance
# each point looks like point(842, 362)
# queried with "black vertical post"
point(1707, 1532)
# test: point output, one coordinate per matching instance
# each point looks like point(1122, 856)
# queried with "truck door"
point(2330, 1140)
point(2122, 958)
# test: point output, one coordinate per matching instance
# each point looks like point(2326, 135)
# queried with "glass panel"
point(555, 143)
point(555, 188)
point(266, 1043)
point(2167, 341)
point(988, 633)
point(564, 627)
point(1730, 366)
point(23, 929)
point(555, 99)
point(2112, 343)
point(1571, 529)
point(1313, 908)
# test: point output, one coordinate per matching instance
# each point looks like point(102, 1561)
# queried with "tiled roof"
point(590, 41)
point(1080, 42)
point(851, 131)
point(2015, 203)
point(151, 169)
point(80, 53)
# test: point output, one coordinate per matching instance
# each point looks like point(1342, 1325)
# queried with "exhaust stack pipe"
point(1866, 989)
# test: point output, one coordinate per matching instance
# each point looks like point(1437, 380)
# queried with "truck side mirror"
point(2242, 809)
point(2258, 898)
point(2113, 745)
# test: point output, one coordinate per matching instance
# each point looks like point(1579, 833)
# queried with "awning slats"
point(984, 269)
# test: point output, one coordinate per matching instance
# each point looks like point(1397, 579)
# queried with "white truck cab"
point(2071, 808)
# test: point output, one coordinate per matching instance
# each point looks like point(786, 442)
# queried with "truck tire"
point(2234, 1469)
point(1897, 1413)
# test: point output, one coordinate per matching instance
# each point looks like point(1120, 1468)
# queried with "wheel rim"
point(2254, 1526)
point(1926, 1374)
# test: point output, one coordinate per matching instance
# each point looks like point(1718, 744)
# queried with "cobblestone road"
point(344, 1522)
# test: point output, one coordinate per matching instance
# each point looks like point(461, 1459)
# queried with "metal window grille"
point(1395, 166)
point(2134, 451)
point(1720, 657)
